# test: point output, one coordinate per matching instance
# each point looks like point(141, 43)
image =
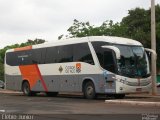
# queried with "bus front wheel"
point(26, 89)
point(119, 96)
point(89, 90)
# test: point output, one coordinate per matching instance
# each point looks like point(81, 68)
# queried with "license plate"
point(138, 89)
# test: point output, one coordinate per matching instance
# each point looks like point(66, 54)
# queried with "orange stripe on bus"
point(32, 74)
point(41, 78)
point(23, 48)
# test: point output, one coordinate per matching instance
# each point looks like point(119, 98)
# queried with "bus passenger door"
point(109, 64)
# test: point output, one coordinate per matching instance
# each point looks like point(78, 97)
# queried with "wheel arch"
point(25, 80)
point(87, 79)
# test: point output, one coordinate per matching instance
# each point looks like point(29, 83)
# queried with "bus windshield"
point(133, 62)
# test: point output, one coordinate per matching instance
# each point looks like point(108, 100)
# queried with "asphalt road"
point(70, 107)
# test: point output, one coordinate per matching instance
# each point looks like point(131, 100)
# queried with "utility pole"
point(153, 47)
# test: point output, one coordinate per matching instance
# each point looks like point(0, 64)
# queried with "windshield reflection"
point(133, 62)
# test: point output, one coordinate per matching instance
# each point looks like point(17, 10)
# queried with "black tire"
point(89, 91)
point(26, 89)
point(52, 94)
point(110, 95)
point(119, 96)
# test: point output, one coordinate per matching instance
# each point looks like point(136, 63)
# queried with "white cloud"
point(29, 19)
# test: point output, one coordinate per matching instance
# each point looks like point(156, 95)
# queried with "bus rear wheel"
point(89, 90)
point(26, 89)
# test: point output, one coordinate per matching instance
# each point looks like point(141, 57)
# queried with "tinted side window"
point(99, 51)
point(65, 53)
point(35, 56)
point(109, 63)
point(38, 56)
point(11, 58)
point(105, 56)
point(24, 57)
point(19, 58)
point(82, 53)
point(51, 55)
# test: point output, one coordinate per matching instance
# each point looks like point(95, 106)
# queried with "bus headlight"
point(124, 81)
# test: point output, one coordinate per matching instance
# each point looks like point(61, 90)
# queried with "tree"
point(137, 25)
point(82, 29)
point(1, 71)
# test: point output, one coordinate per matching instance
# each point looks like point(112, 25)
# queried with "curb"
point(9, 92)
point(145, 96)
point(155, 104)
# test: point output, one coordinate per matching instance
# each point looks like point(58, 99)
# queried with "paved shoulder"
point(144, 100)
point(144, 103)
point(9, 91)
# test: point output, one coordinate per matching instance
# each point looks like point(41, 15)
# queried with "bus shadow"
point(80, 97)
point(69, 96)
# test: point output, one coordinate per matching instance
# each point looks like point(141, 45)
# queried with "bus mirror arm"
point(152, 52)
point(115, 49)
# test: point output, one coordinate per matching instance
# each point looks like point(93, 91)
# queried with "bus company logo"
point(60, 69)
point(78, 67)
point(70, 69)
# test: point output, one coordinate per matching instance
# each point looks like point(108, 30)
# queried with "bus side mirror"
point(152, 52)
point(115, 49)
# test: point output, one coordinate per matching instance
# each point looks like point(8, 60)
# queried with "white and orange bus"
point(91, 65)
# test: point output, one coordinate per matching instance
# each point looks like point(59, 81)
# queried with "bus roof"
point(109, 39)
